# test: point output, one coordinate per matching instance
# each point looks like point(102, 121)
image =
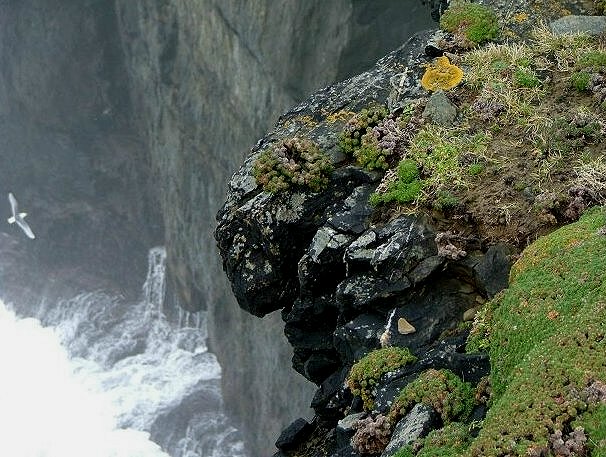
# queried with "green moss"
point(476, 22)
point(449, 441)
point(580, 80)
point(526, 77)
point(594, 424)
point(475, 169)
point(446, 201)
point(406, 189)
point(365, 374)
point(406, 451)
point(295, 162)
point(592, 59)
point(441, 389)
point(546, 339)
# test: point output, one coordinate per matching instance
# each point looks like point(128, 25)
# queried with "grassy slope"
point(546, 337)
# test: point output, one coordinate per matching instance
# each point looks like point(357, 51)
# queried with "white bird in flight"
point(18, 217)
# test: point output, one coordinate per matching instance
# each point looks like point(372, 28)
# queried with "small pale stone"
point(384, 339)
point(404, 327)
point(470, 314)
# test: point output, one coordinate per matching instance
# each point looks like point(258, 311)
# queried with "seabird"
point(18, 217)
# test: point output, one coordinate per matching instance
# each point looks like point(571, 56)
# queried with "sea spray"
point(146, 377)
point(46, 411)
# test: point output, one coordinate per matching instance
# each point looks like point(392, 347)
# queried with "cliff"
point(379, 217)
point(206, 79)
point(121, 122)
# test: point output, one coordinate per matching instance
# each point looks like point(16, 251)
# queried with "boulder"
point(440, 109)
point(592, 25)
point(297, 432)
point(416, 424)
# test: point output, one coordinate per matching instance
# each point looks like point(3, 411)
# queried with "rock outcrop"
point(344, 283)
point(349, 280)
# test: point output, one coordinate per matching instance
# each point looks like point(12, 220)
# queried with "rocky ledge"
point(351, 279)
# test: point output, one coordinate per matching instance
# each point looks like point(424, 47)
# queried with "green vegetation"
point(434, 167)
point(475, 169)
point(365, 374)
point(295, 162)
point(445, 201)
point(592, 59)
point(476, 23)
point(526, 77)
point(545, 337)
point(594, 424)
point(371, 155)
point(406, 189)
point(568, 135)
point(441, 389)
point(351, 137)
point(450, 441)
point(580, 80)
point(439, 152)
point(406, 451)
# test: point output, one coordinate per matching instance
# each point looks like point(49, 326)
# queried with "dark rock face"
point(296, 432)
point(347, 284)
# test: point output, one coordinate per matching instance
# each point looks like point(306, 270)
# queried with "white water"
point(45, 411)
point(103, 377)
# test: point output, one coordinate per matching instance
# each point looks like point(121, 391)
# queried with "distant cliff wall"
point(69, 153)
point(207, 78)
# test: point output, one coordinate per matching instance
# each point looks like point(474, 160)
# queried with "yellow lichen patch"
point(442, 75)
point(339, 116)
point(520, 17)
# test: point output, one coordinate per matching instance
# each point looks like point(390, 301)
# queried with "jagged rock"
point(430, 311)
point(263, 238)
point(353, 216)
point(425, 268)
point(319, 365)
point(392, 384)
point(492, 270)
point(416, 424)
point(345, 428)
point(450, 354)
point(294, 434)
point(592, 25)
point(321, 268)
point(358, 337)
point(362, 292)
point(440, 109)
point(393, 249)
point(332, 397)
